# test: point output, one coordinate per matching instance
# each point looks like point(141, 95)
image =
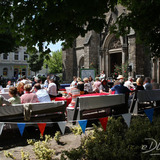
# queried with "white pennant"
point(1, 127)
point(127, 118)
point(62, 126)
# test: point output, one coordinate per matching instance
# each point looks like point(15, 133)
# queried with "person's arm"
point(5, 101)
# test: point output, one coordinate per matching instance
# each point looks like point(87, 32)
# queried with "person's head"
point(12, 91)
point(90, 78)
point(27, 87)
point(39, 81)
point(104, 82)
point(120, 78)
point(36, 79)
point(78, 79)
point(147, 80)
point(37, 86)
point(97, 79)
point(102, 72)
point(51, 80)
point(130, 78)
point(85, 80)
point(139, 81)
point(20, 87)
point(9, 82)
point(74, 78)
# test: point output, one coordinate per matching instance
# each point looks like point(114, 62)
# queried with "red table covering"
point(64, 99)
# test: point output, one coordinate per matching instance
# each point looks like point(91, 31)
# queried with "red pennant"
point(104, 122)
point(42, 127)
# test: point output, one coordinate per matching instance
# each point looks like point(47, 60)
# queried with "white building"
point(15, 64)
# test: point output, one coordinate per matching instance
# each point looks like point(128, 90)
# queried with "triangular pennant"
point(21, 127)
point(149, 113)
point(135, 110)
point(42, 127)
point(127, 118)
point(62, 126)
point(104, 122)
point(83, 124)
point(1, 127)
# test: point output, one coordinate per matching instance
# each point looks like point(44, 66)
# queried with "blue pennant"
point(149, 113)
point(21, 127)
point(83, 124)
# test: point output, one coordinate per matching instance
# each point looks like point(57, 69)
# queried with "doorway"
point(115, 59)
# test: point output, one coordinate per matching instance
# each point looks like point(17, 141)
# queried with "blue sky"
point(55, 47)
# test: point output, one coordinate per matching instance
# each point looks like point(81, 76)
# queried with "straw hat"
point(120, 77)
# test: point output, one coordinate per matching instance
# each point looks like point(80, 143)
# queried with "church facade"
point(102, 51)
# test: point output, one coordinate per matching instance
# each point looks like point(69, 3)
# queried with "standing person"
point(52, 88)
point(129, 83)
point(13, 94)
point(96, 85)
point(102, 75)
point(74, 82)
point(42, 94)
point(147, 84)
point(28, 97)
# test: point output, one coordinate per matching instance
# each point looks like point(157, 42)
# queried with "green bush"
point(118, 141)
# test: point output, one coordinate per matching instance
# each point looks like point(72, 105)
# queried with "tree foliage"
point(35, 62)
point(34, 21)
point(143, 17)
point(54, 62)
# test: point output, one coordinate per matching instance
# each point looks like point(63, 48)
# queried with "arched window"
point(5, 71)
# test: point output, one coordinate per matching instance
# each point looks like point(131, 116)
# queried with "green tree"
point(143, 17)
point(35, 62)
point(35, 22)
point(54, 62)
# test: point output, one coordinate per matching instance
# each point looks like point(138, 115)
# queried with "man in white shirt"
point(129, 83)
point(52, 88)
point(42, 94)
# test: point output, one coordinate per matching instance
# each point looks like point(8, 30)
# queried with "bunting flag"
point(62, 126)
point(1, 127)
point(104, 122)
point(21, 127)
point(83, 124)
point(127, 118)
point(41, 127)
point(149, 113)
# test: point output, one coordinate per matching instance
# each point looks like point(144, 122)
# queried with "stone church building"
point(102, 51)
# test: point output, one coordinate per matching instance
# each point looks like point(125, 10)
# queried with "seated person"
point(96, 85)
point(86, 85)
point(13, 94)
point(147, 84)
point(8, 84)
point(52, 88)
point(20, 88)
point(42, 94)
point(80, 85)
point(104, 86)
point(29, 97)
point(4, 101)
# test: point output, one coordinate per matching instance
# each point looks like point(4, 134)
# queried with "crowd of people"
point(27, 91)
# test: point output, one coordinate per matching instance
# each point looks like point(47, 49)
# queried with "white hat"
point(120, 77)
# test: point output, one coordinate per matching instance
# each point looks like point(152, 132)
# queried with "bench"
point(144, 99)
point(97, 107)
point(53, 111)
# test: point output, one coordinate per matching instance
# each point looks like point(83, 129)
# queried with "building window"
point(23, 72)
point(5, 56)
point(26, 56)
point(16, 56)
point(5, 71)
